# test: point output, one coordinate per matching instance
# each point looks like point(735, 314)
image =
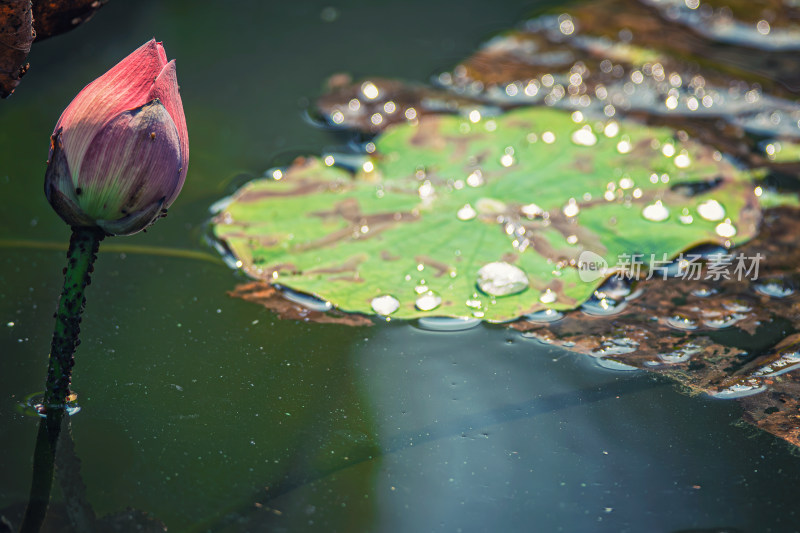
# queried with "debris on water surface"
point(268, 296)
point(672, 329)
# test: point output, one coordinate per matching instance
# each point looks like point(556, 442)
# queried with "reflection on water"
point(479, 435)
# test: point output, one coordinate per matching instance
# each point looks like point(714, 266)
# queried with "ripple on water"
point(616, 346)
point(774, 288)
point(615, 287)
point(611, 364)
point(33, 405)
point(681, 322)
point(704, 292)
point(744, 388)
point(787, 360)
point(446, 323)
point(724, 321)
point(306, 300)
point(737, 306)
point(603, 306)
point(546, 316)
point(679, 355)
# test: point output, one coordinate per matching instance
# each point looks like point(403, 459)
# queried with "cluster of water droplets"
point(720, 25)
point(651, 86)
point(782, 361)
point(371, 106)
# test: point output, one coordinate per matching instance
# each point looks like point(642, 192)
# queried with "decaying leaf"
point(16, 36)
point(267, 295)
point(609, 58)
point(52, 17)
point(375, 104)
point(724, 337)
point(23, 21)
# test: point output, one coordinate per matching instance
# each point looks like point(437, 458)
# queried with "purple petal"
point(131, 164)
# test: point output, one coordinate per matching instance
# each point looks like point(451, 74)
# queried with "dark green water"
point(212, 415)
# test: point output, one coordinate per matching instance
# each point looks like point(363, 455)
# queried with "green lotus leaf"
point(442, 197)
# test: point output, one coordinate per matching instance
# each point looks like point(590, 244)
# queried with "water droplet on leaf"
point(385, 305)
point(501, 279)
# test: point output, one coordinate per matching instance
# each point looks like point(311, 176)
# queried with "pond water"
point(210, 414)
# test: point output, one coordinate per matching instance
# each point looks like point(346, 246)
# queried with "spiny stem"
point(80, 260)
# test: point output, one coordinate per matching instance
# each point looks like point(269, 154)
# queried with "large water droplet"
point(682, 160)
point(385, 305)
point(572, 208)
point(501, 279)
point(531, 211)
point(466, 213)
point(548, 297)
point(428, 301)
point(725, 229)
point(711, 210)
point(656, 212)
point(584, 137)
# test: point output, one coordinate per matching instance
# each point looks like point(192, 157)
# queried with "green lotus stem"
point(80, 260)
point(43, 466)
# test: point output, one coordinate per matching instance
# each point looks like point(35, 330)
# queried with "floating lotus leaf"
point(444, 197)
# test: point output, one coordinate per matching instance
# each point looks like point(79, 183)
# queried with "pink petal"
point(126, 86)
point(132, 164)
point(166, 90)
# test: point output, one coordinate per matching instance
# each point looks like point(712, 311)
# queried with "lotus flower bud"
point(120, 151)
